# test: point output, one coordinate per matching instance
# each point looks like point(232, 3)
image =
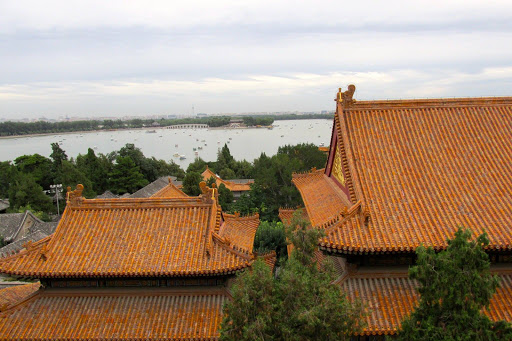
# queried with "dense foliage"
point(271, 236)
point(301, 304)
point(455, 286)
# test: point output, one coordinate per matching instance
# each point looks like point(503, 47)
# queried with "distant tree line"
point(10, 128)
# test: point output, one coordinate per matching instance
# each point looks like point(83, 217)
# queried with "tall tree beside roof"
point(72, 176)
point(24, 190)
point(225, 197)
point(125, 176)
point(58, 155)
point(191, 183)
point(7, 172)
point(199, 165)
point(302, 304)
point(38, 166)
point(455, 286)
point(95, 168)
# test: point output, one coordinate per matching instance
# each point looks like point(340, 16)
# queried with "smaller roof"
point(150, 189)
point(4, 204)
point(107, 195)
point(19, 244)
point(235, 185)
point(11, 224)
point(169, 191)
point(146, 237)
point(15, 294)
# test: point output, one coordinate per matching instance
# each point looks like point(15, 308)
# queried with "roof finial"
point(75, 197)
point(345, 98)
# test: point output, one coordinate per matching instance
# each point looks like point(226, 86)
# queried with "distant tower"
point(192, 110)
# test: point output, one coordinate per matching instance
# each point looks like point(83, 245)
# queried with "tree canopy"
point(455, 286)
point(301, 304)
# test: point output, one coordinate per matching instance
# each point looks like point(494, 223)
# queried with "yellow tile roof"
point(232, 186)
point(117, 314)
point(390, 298)
point(148, 237)
point(414, 171)
point(169, 191)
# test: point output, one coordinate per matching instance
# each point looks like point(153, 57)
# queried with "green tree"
point(302, 304)
point(125, 176)
point(455, 285)
point(95, 168)
point(72, 176)
point(38, 166)
point(24, 191)
point(199, 166)
point(7, 172)
point(225, 197)
point(58, 155)
point(191, 183)
point(270, 236)
point(211, 181)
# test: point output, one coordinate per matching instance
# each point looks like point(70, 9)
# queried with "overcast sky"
point(114, 58)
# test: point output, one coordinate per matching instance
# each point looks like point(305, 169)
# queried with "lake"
point(165, 143)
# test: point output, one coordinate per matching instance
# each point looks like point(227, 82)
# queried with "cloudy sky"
point(99, 58)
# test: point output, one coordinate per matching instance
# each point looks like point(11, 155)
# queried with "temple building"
point(236, 186)
point(155, 268)
point(402, 173)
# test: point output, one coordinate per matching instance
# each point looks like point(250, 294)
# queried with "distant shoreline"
point(120, 129)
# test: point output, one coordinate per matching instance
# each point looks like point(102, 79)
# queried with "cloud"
point(115, 57)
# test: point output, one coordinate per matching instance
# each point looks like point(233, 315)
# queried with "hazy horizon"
point(123, 58)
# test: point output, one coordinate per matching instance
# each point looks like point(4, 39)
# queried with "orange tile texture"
point(240, 231)
point(169, 191)
point(16, 293)
point(149, 237)
point(232, 186)
point(421, 169)
point(193, 315)
point(389, 299)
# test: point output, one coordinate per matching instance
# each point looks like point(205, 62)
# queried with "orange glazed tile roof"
point(415, 171)
point(117, 314)
point(392, 297)
point(16, 293)
point(232, 186)
point(240, 231)
point(146, 237)
point(169, 191)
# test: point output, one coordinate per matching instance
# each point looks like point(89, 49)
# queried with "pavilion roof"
point(190, 313)
point(169, 191)
point(148, 237)
point(409, 172)
point(390, 297)
point(234, 185)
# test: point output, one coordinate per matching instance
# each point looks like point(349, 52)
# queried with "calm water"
point(245, 144)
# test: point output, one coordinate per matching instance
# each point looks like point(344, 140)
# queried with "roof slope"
point(150, 189)
point(240, 231)
point(133, 237)
point(418, 170)
point(236, 185)
point(169, 191)
point(390, 298)
point(129, 314)
point(15, 294)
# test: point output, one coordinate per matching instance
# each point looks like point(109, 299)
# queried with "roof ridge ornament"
point(75, 197)
point(345, 98)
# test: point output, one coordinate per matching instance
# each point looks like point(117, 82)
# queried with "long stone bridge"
point(188, 126)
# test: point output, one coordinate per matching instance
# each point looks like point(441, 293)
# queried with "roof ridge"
point(426, 102)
